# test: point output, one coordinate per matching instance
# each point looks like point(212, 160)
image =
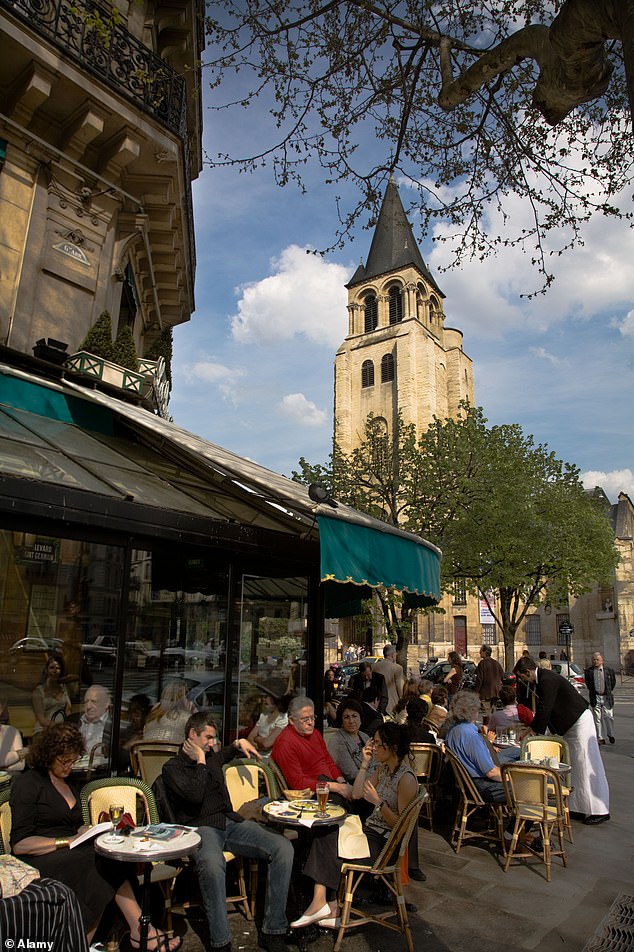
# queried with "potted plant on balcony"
point(101, 359)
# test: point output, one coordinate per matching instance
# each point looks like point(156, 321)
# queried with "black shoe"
point(221, 948)
point(602, 741)
point(417, 874)
point(596, 818)
point(273, 943)
point(612, 740)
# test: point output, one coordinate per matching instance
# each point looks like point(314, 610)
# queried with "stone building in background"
point(400, 356)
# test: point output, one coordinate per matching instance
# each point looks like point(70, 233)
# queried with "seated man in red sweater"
point(301, 754)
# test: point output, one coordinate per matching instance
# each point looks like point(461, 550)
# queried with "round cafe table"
point(134, 849)
point(301, 813)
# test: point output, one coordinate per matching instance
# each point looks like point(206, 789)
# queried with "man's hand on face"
point(194, 751)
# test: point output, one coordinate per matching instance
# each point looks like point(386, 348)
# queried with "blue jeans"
point(253, 841)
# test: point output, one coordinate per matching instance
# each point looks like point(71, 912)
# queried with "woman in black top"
point(46, 818)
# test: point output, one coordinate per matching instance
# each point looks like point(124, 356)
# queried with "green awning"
point(362, 555)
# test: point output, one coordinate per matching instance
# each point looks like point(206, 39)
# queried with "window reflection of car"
point(101, 651)
point(207, 692)
point(24, 665)
point(33, 643)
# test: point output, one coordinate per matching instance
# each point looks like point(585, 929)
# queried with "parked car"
point(207, 692)
point(572, 671)
point(439, 671)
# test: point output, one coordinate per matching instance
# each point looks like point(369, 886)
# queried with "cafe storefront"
point(153, 561)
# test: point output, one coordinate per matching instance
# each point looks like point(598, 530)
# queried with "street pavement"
point(468, 904)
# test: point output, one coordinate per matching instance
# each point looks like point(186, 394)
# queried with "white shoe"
point(332, 923)
point(305, 920)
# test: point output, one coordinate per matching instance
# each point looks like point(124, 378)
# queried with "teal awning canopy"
point(360, 555)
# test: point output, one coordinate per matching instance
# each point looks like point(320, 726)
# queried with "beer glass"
point(322, 790)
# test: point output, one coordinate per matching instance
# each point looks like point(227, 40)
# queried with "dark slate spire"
point(393, 245)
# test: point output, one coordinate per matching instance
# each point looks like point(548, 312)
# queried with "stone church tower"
point(398, 354)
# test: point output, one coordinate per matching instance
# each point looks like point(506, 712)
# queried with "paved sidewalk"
point(468, 903)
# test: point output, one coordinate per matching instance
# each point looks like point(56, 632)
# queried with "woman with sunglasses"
point(389, 787)
point(46, 818)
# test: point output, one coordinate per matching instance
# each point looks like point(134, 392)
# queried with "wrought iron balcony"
point(112, 54)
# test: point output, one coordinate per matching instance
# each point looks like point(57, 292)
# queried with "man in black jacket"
point(198, 795)
point(368, 678)
point(601, 682)
point(562, 710)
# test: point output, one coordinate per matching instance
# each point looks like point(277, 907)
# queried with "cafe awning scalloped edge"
point(359, 555)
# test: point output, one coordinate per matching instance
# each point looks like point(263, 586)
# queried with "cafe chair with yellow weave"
point(538, 746)
point(386, 869)
point(137, 799)
point(246, 781)
point(470, 803)
point(535, 799)
point(148, 756)
point(427, 763)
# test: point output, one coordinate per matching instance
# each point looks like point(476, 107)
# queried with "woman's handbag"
point(15, 875)
point(353, 843)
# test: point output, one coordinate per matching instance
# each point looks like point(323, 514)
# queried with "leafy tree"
point(98, 340)
point(471, 102)
point(124, 351)
point(510, 517)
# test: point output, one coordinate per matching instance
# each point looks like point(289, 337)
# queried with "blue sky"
point(253, 370)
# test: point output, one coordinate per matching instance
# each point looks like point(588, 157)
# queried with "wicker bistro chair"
point(550, 745)
point(387, 869)
point(148, 756)
point(535, 796)
point(427, 764)
point(248, 780)
point(5, 821)
point(471, 802)
point(138, 800)
point(278, 776)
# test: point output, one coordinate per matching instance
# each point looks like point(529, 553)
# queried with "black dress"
point(38, 809)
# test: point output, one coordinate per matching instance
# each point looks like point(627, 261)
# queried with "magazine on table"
point(162, 831)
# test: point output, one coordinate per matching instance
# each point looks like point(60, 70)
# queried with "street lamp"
point(566, 630)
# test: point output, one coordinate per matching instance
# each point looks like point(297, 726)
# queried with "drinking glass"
point(116, 812)
point(322, 790)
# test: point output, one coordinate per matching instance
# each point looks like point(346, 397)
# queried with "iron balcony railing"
point(110, 52)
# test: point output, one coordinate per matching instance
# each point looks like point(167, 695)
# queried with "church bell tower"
point(398, 354)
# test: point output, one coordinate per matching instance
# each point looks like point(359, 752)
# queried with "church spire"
point(393, 245)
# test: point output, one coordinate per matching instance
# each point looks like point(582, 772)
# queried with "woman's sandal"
point(158, 942)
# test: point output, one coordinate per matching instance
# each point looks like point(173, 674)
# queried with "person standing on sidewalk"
point(601, 681)
point(489, 675)
point(562, 710)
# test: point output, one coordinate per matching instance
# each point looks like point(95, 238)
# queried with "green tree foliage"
point(98, 340)
point(124, 351)
point(471, 102)
point(511, 518)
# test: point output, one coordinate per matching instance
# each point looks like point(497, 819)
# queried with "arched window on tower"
point(396, 305)
point(371, 313)
point(367, 373)
point(387, 368)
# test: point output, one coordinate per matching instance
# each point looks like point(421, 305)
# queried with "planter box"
point(106, 371)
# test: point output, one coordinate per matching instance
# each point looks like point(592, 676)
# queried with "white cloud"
point(304, 294)
point(543, 354)
point(618, 481)
point(626, 326)
point(224, 378)
point(296, 407)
